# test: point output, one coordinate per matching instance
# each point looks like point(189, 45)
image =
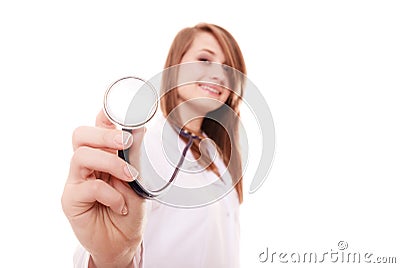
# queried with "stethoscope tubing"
point(149, 194)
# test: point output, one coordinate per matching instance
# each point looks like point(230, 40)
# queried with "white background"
point(329, 70)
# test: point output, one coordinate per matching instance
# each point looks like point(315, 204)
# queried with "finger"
point(103, 121)
point(86, 160)
point(132, 200)
point(98, 190)
point(101, 138)
point(129, 194)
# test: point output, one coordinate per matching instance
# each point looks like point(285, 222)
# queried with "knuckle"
point(106, 137)
point(79, 154)
point(64, 203)
point(96, 185)
point(76, 135)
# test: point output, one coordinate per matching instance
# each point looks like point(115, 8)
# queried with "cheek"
point(185, 92)
point(225, 95)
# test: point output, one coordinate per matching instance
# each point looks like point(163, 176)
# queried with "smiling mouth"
point(212, 89)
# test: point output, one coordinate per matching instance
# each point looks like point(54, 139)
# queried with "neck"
point(191, 119)
point(194, 125)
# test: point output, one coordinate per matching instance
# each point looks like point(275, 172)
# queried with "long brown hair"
point(226, 133)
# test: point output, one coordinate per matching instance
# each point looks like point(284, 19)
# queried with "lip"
point(211, 89)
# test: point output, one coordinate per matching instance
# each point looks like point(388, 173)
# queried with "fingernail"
point(130, 171)
point(124, 210)
point(124, 138)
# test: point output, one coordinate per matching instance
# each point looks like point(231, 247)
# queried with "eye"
point(205, 60)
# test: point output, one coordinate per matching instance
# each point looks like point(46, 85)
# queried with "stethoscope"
point(130, 103)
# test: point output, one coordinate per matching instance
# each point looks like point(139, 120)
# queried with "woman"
point(116, 227)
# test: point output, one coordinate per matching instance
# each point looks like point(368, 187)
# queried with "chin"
point(199, 106)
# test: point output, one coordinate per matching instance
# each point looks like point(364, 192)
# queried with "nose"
point(217, 74)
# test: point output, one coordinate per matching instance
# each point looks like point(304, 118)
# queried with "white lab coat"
point(206, 236)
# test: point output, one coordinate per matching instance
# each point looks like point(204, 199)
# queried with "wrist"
point(123, 260)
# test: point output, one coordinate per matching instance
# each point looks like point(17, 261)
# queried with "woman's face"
point(207, 96)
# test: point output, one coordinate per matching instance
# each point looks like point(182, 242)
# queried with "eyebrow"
point(208, 50)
